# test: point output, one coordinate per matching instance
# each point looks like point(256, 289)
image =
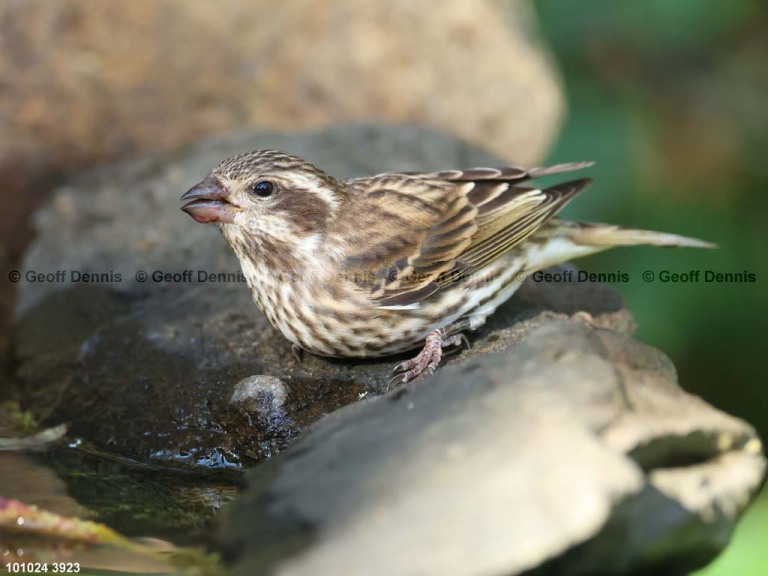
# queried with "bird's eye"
point(263, 189)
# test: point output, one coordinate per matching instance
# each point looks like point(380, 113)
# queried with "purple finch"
point(384, 264)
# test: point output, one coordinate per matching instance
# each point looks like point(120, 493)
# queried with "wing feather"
point(504, 225)
point(428, 230)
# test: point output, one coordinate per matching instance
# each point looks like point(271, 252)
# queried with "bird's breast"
point(325, 316)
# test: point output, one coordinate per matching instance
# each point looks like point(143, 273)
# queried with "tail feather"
point(607, 235)
point(558, 169)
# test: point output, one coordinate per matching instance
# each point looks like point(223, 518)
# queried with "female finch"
point(383, 264)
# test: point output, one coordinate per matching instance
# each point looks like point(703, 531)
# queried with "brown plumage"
point(378, 265)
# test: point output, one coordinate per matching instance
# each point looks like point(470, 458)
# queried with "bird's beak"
point(209, 203)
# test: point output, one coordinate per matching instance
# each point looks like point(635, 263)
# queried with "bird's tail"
point(559, 241)
point(602, 236)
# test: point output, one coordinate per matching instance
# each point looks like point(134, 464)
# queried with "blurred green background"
point(670, 97)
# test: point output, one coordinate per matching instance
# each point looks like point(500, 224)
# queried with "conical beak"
point(209, 203)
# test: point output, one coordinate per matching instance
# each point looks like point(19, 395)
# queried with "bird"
point(381, 265)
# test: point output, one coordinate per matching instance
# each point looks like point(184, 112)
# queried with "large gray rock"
point(147, 369)
point(575, 452)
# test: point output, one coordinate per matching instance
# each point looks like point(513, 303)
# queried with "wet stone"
point(264, 395)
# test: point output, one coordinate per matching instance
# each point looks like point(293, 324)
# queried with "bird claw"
point(425, 363)
point(403, 366)
point(417, 371)
point(397, 379)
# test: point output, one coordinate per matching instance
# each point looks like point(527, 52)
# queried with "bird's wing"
point(408, 232)
point(428, 230)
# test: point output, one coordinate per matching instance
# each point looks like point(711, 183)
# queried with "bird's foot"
point(427, 361)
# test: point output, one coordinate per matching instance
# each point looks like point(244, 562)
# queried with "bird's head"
point(266, 194)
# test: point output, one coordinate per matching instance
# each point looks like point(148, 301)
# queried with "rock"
point(264, 399)
point(85, 80)
point(146, 369)
point(574, 452)
point(262, 394)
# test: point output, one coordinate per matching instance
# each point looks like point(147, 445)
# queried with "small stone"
point(264, 395)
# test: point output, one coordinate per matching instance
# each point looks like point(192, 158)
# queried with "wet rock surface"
point(147, 369)
point(573, 452)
